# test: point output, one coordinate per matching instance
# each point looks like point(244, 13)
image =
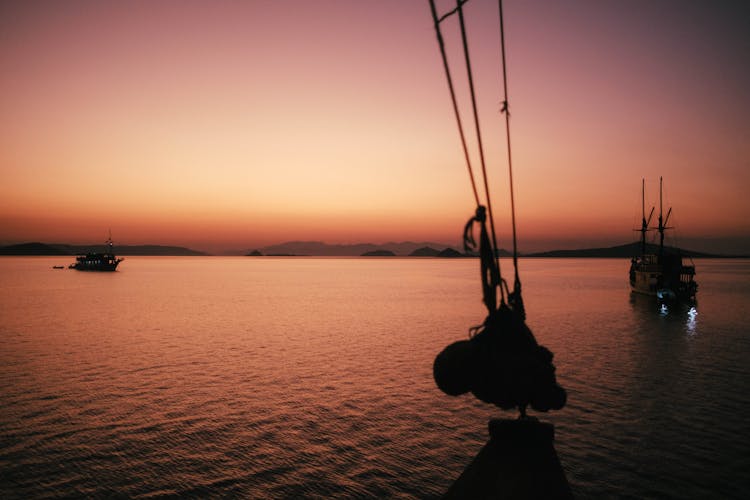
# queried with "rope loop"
point(490, 271)
point(470, 244)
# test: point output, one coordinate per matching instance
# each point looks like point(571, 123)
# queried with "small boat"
point(662, 274)
point(105, 261)
point(58, 267)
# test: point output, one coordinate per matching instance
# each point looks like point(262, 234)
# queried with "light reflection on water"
point(313, 377)
point(691, 323)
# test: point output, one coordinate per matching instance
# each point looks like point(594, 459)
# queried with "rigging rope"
point(515, 297)
point(453, 94)
point(459, 9)
point(491, 276)
point(501, 363)
point(506, 111)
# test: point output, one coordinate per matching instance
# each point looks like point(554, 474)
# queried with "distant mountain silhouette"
point(404, 248)
point(135, 250)
point(316, 248)
point(32, 249)
point(425, 252)
point(254, 253)
point(445, 252)
point(621, 251)
point(320, 248)
point(379, 253)
point(65, 249)
point(450, 253)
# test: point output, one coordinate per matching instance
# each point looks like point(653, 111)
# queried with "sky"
point(223, 125)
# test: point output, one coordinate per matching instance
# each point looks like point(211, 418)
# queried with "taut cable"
point(453, 95)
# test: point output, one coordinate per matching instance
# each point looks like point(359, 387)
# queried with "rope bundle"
point(502, 363)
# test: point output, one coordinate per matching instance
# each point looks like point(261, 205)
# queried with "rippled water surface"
point(312, 377)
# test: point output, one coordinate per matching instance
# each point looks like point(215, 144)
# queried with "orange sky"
point(234, 125)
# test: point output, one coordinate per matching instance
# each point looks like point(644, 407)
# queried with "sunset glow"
point(233, 125)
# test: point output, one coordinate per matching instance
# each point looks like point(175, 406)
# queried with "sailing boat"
point(663, 275)
point(94, 261)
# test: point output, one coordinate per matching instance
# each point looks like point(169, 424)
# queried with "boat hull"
point(663, 277)
point(97, 267)
point(101, 262)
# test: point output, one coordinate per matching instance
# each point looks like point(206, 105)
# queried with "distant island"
point(37, 248)
point(379, 253)
point(451, 253)
point(32, 249)
point(445, 252)
point(402, 249)
point(429, 249)
point(424, 252)
point(621, 252)
point(316, 248)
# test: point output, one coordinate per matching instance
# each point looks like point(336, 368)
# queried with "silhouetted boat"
point(663, 274)
point(105, 261)
point(58, 267)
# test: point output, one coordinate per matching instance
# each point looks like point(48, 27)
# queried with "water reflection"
point(691, 323)
point(214, 377)
point(679, 316)
point(646, 305)
point(664, 310)
point(685, 313)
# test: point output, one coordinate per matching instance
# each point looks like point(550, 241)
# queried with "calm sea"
point(312, 377)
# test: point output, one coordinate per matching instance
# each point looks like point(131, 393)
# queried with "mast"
point(662, 223)
point(644, 221)
point(644, 224)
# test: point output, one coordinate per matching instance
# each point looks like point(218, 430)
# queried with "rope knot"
point(481, 214)
point(487, 256)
